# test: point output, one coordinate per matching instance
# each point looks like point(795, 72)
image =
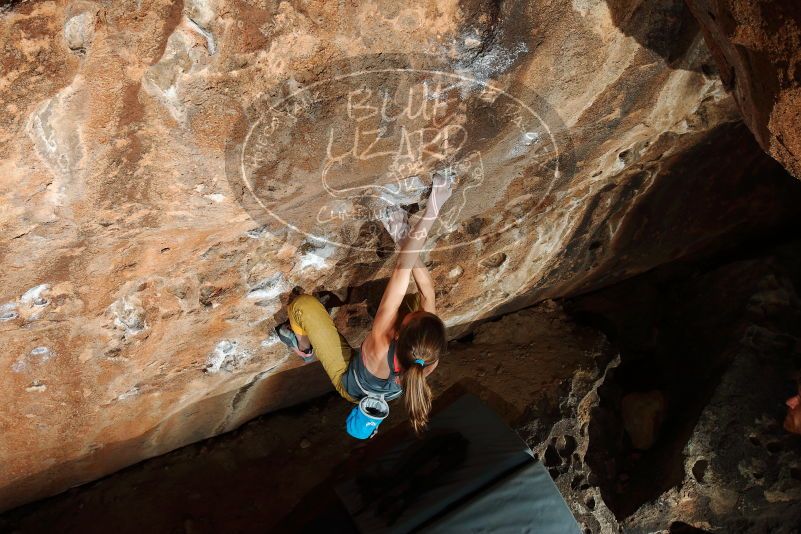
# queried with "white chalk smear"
point(215, 197)
point(35, 295)
point(36, 387)
point(316, 258)
point(257, 233)
point(8, 311)
point(128, 315)
point(456, 272)
point(133, 392)
point(211, 45)
point(227, 356)
point(269, 288)
point(42, 354)
point(271, 340)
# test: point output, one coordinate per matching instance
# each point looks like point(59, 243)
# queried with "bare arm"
point(408, 256)
point(425, 286)
point(408, 260)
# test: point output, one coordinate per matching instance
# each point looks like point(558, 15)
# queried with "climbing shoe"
point(288, 337)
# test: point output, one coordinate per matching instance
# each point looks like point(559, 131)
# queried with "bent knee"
point(303, 301)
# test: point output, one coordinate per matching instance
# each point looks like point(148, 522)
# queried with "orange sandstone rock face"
point(757, 46)
point(150, 237)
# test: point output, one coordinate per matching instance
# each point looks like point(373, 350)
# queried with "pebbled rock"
point(722, 462)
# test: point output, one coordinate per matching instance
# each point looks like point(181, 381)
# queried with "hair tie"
point(419, 361)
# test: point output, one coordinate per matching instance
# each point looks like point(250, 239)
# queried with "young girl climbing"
point(407, 338)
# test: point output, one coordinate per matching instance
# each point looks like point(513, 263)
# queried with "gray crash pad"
point(524, 501)
point(470, 472)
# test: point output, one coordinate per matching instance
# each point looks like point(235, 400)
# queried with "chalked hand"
point(442, 189)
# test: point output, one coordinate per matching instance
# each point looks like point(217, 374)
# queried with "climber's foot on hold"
point(288, 337)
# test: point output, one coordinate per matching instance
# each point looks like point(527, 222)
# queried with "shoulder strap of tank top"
point(391, 359)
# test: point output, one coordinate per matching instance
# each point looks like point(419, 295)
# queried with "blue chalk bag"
point(363, 420)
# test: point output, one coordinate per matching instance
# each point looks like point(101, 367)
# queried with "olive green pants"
point(308, 317)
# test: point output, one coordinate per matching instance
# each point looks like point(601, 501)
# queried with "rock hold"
point(79, 31)
point(128, 315)
point(227, 356)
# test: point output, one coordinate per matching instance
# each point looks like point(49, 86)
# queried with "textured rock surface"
point(250, 479)
point(722, 462)
point(139, 281)
point(757, 47)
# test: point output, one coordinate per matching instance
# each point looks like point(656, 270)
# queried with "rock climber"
point(405, 343)
point(792, 422)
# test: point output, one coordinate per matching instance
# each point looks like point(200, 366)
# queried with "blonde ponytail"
point(417, 396)
point(421, 342)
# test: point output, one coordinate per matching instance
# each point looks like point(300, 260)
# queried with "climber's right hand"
point(441, 190)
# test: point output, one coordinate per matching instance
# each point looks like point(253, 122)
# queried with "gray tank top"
point(357, 374)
